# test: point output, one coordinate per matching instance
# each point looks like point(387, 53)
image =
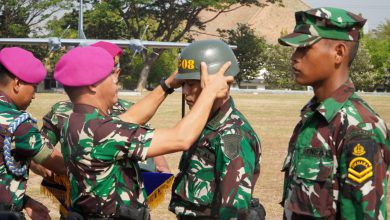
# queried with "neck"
point(92, 101)
point(8, 93)
point(218, 103)
point(325, 88)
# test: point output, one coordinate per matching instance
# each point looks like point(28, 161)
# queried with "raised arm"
point(186, 131)
point(142, 111)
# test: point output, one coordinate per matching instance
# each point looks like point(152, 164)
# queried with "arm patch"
point(360, 159)
point(232, 145)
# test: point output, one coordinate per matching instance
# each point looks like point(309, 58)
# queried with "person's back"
point(105, 173)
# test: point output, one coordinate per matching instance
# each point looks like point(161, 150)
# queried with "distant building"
point(256, 83)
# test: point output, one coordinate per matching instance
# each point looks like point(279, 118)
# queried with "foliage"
point(362, 71)
point(18, 17)
point(163, 66)
point(166, 20)
point(250, 51)
point(378, 45)
point(278, 65)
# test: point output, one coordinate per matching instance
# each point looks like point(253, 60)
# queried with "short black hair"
point(353, 48)
point(73, 92)
point(5, 75)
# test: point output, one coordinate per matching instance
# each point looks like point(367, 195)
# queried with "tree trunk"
point(144, 74)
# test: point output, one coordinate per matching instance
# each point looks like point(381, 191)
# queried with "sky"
point(375, 11)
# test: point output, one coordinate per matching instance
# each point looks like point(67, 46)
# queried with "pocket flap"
point(315, 168)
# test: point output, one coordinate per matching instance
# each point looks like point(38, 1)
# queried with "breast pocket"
point(196, 180)
point(312, 192)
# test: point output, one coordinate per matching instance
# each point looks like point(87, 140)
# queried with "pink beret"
point(83, 66)
point(22, 64)
point(113, 49)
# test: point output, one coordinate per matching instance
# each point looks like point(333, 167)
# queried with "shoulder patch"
point(232, 145)
point(360, 159)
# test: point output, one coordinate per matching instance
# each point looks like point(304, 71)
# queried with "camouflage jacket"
point(54, 120)
point(27, 144)
point(101, 154)
point(216, 176)
point(337, 161)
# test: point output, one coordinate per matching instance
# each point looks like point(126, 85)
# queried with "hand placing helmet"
point(213, 52)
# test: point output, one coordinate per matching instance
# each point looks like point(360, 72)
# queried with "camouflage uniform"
point(216, 176)
point(330, 23)
point(337, 161)
point(54, 120)
point(27, 144)
point(338, 156)
point(101, 153)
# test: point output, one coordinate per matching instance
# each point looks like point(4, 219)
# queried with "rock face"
point(269, 21)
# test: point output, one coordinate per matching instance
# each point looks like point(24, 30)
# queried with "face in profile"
point(107, 89)
point(191, 91)
point(25, 94)
point(312, 64)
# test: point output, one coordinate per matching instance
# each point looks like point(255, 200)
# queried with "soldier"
point(101, 151)
point(338, 154)
point(20, 140)
point(53, 120)
point(218, 174)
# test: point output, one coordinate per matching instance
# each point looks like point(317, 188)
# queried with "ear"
point(340, 52)
point(92, 88)
point(117, 72)
point(16, 84)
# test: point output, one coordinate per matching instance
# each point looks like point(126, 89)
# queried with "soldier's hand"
point(172, 82)
point(218, 82)
point(36, 210)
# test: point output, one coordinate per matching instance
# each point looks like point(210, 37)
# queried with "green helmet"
point(213, 52)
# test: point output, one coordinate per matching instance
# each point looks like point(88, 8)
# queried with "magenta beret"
point(83, 66)
point(113, 49)
point(22, 64)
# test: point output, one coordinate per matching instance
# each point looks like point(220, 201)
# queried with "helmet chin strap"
point(183, 105)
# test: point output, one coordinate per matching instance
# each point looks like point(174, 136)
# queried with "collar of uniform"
point(220, 116)
point(4, 100)
point(330, 106)
point(84, 109)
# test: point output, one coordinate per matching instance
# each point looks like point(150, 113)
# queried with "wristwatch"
point(165, 87)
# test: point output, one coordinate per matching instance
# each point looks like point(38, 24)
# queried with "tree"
point(250, 51)
point(168, 20)
point(383, 30)
point(362, 71)
point(18, 17)
point(278, 65)
point(163, 66)
point(377, 43)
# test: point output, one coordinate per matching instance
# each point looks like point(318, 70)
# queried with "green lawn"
point(273, 116)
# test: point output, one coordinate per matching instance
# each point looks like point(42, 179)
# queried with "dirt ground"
point(273, 116)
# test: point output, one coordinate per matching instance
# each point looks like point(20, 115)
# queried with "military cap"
point(213, 52)
point(323, 23)
point(83, 66)
point(22, 64)
point(113, 49)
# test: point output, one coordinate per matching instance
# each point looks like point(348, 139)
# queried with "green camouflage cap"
point(319, 23)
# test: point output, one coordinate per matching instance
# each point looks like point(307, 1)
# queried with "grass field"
point(273, 116)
